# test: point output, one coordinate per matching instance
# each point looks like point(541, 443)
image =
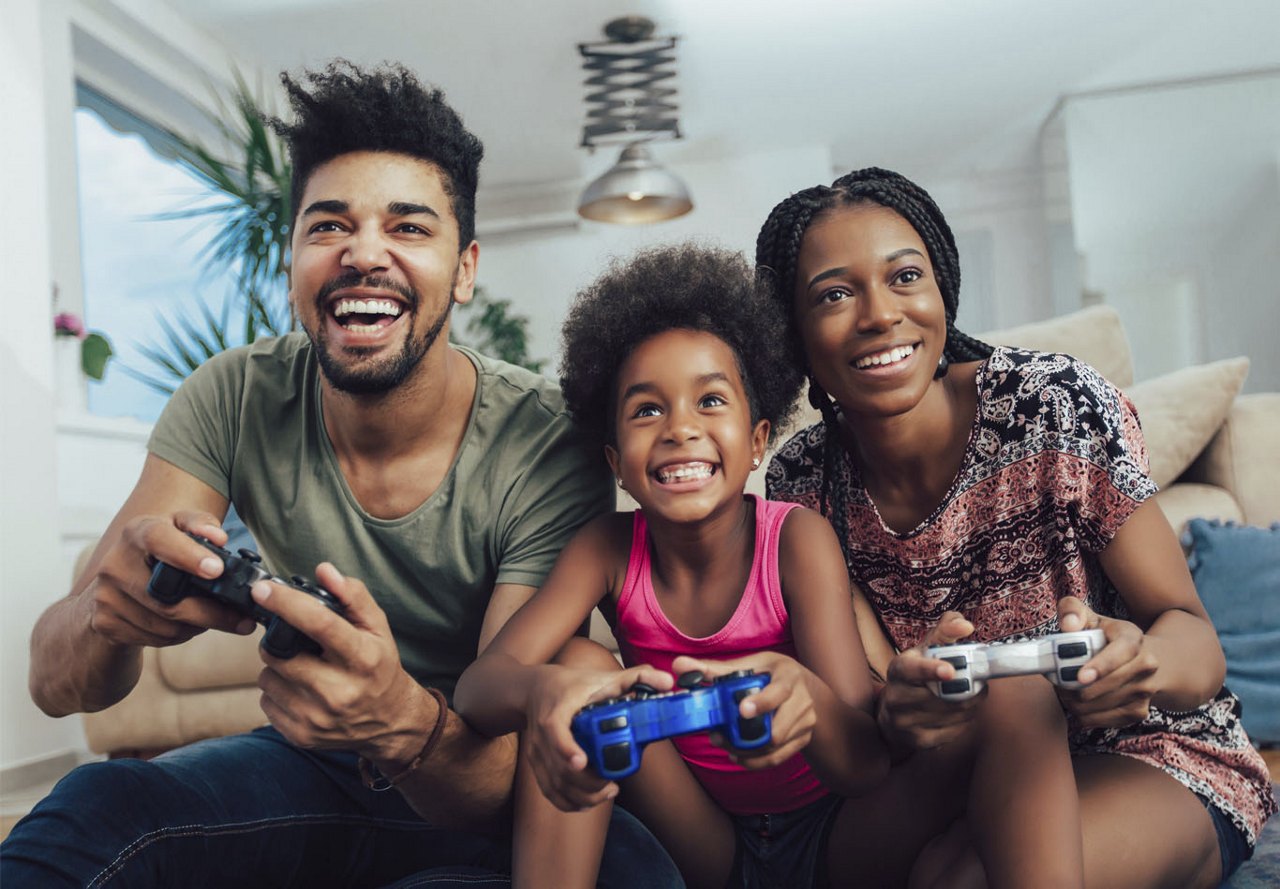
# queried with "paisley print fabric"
point(1055, 464)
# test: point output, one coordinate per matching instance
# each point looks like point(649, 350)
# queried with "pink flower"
point(69, 324)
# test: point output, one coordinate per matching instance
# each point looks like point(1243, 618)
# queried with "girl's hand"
point(558, 763)
point(1120, 680)
point(787, 697)
point(909, 714)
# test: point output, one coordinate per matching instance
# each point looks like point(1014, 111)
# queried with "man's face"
point(376, 267)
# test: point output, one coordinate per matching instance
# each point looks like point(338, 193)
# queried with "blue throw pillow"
point(1237, 573)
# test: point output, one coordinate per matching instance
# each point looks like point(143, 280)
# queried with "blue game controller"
point(613, 733)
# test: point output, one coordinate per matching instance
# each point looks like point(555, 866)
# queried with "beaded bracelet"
point(375, 780)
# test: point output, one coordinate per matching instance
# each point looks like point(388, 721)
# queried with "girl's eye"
point(909, 276)
point(646, 410)
point(711, 401)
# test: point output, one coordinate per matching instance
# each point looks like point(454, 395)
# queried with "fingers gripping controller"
point(1058, 656)
point(239, 572)
point(613, 733)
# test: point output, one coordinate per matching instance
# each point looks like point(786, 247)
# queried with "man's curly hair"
point(678, 287)
point(342, 109)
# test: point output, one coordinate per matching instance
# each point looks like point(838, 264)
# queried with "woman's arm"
point(1169, 655)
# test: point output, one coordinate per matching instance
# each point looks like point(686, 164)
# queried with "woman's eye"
point(909, 276)
point(835, 294)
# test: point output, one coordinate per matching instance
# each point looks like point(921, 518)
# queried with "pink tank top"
point(760, 623)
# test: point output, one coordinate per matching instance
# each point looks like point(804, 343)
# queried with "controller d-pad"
point(1068, 650)
point(617, 757)
point(1068, 674)
point(954, 686)
point(613, 723)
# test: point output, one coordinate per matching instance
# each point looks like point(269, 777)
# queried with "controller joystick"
point(1058, 656)
point(614, 733)
point(240, 572)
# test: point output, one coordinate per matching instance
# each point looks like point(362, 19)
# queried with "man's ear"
point(464, 285)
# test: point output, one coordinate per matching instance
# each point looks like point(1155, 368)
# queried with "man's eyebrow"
point(327, 207)
point(408, 208)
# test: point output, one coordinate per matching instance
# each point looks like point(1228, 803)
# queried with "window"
point(139, 266)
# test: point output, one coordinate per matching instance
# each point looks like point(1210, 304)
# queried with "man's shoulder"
point(270, 356)
point(510, 387)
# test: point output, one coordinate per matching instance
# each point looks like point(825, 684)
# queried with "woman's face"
point(869, 310)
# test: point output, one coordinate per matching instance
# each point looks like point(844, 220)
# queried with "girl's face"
point(869, 310)
point(685, 440)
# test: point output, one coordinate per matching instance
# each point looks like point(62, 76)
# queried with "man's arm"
point(357, 696)
point(86, 649)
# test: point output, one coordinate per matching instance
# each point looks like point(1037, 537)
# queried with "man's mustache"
point(355, 279)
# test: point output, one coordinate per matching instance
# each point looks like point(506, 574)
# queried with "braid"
point(778, 249)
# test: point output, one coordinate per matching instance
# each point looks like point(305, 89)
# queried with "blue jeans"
point(254, 810)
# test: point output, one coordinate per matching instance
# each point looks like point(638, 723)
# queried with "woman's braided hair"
point(778, 247)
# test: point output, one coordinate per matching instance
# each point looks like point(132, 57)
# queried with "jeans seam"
point(148, 839)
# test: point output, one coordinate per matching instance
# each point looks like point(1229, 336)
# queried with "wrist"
point(382, 771)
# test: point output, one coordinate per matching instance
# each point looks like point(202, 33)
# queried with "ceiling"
point(921, 85)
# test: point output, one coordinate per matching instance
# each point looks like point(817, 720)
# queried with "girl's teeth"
point(684, 472)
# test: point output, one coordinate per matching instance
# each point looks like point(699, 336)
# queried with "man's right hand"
point(121, 610)
point(909, 714)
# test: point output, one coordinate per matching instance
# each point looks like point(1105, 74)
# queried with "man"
point(447, 480)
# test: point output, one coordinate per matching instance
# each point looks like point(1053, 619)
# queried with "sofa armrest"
point(1244, 457)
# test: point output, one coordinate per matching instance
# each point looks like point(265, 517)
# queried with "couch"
point(1214, 453)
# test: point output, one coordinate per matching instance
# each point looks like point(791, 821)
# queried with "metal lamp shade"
point(635, 190)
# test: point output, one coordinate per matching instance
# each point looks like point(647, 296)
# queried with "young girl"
point(676, 360)
point(992, 494)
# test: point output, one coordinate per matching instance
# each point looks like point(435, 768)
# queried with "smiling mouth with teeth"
point(366, 315)
point(685, 472)
point(880, 359)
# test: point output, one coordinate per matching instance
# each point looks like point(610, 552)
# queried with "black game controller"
point(241, 571)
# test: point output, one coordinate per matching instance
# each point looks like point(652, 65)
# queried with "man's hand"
point(355, 695)
point(909, 714)
point(1120, 680)
point(116, 600)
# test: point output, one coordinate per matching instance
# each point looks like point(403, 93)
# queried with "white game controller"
point(1058, 657)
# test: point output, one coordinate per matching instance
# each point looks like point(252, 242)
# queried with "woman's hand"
point(558, 763)
point(1120, 681)
point(909, 714)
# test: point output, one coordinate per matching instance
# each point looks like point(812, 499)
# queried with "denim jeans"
point(254, 810)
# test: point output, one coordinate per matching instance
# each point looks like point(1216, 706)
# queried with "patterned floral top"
point(1055, 465)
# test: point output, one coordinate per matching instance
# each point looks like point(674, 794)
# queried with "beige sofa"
point(1213, 454)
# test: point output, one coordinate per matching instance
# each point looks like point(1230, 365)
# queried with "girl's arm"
point(493, 693)
point(1169, 655)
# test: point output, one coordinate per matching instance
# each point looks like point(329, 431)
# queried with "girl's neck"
point(695, 550)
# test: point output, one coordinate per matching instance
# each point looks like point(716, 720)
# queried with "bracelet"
point(375, 780)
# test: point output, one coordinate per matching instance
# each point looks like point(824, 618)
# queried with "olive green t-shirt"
point(248, 423)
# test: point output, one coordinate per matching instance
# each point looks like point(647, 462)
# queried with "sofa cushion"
point(1183, 501)
point(211, 660)
point(1242, 457)
point(1094, 335)
point(1237, 573)
point(1181, 411)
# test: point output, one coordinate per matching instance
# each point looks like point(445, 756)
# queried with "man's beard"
point(389, 373)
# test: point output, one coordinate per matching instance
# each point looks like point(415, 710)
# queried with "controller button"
point(751, 729)
point(1072, 649)
point(643, 690)
point(691, 679)
point(617, 757)
point(1069, 674)
point(959, 661)
point(613, 723)
point(955, 686)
